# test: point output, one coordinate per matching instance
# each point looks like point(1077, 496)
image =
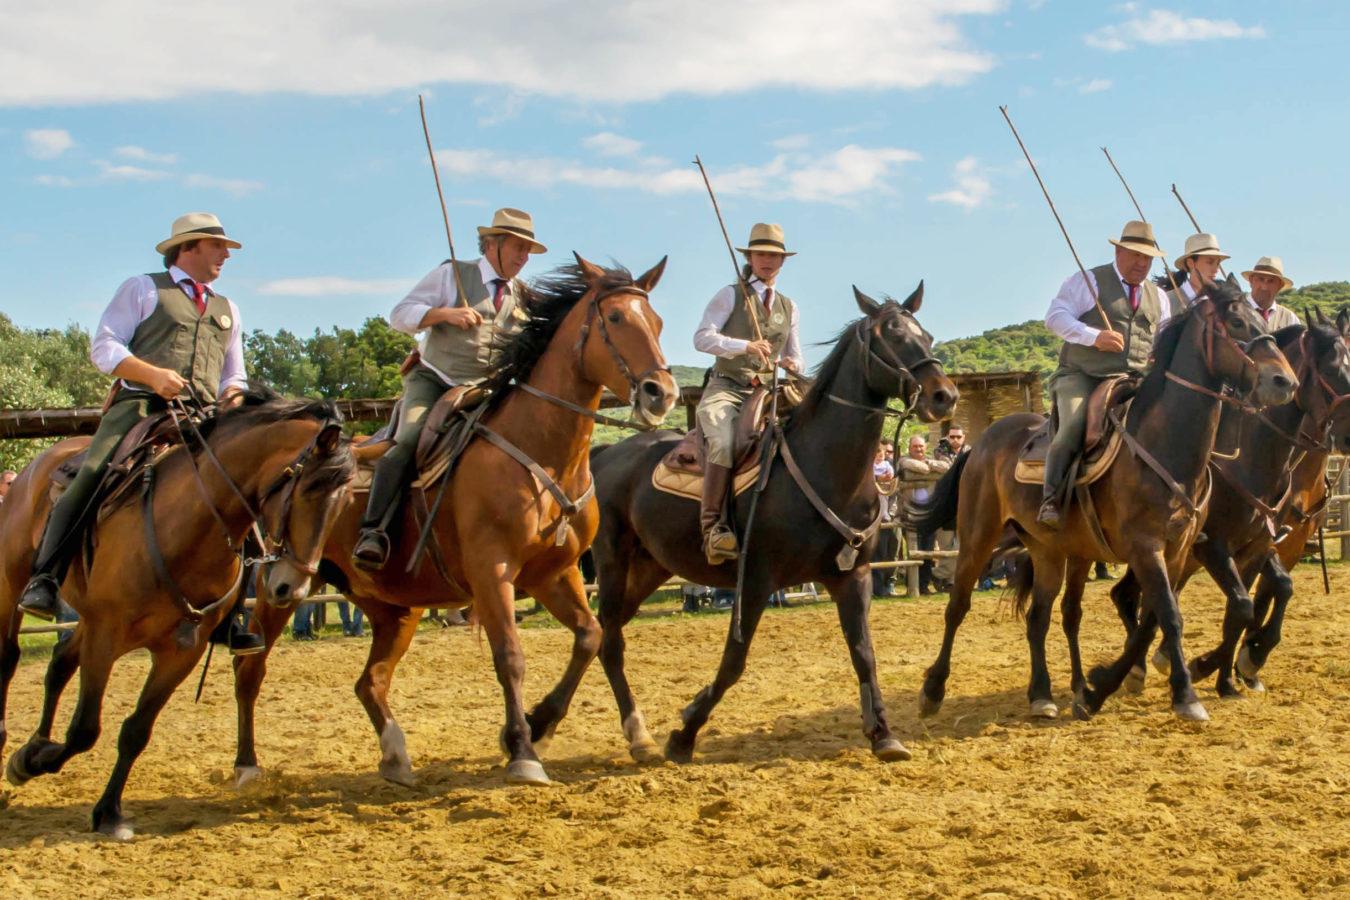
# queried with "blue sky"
point(869, 130)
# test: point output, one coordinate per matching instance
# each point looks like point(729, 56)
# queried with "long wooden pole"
point(445, 216)
point(749, 292)
point(1125, 184)
point(1198, 229)
point(1092, 288)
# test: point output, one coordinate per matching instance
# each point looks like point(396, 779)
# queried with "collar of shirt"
point(485, 269)
point(1187, 291)
point(759, 286)
point(1123, 283)
point(179, 276)
point(1255, 306)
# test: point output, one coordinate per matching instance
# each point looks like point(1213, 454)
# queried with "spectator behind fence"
point(948, 450)
point(917, 467)
point(6, 479)
point(888, 542)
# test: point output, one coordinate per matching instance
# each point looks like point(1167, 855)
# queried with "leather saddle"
point(1101, 442)
point(680, 471)
point(445, 433)
point(144, 443)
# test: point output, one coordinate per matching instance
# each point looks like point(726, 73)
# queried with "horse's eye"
point(614, 318)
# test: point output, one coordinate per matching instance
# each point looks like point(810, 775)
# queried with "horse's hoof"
point(1254, 684)
point(1191, 711)
point(1134, 681)
point(119, 830)
point(400, 773)
point(246, 775)
point(526, 771)
point(891, 750)
point(1161, 662)
point(15, 773)
point(927, 705)
point(1044, 709)
point(1246, 668)
point(1229, 691)
point(645, 752)
point(676, 752)
point(1081, 711)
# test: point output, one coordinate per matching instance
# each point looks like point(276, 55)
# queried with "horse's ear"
point(1343, 320)
point(915, 300)
point(1322, 317)
point(589, 270)
point(1233, 282)
point(868, 306)
point(329, 438)
point(648, 279)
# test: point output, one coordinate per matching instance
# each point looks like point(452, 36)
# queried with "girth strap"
point(569, 506)
point(851, 535)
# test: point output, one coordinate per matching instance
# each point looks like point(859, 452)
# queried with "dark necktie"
point(498, 289)
point(768, 302)
point(198, 295)
point(1134, 296)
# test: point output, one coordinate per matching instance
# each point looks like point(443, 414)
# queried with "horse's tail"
point(1021, 578)
point(938, 512)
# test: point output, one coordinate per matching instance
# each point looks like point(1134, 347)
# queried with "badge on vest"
point(224, 321)
point(776, 318)
point(520, 315)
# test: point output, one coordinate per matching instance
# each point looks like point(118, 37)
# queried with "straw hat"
point(1201, 245)
point(1138, 236)
point(195, 227)
point(516, 222)
point(1269, 265)
point(767, 238)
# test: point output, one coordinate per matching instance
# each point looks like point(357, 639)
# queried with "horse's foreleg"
point(852, 595)
point(565, 597)
point(249, 672)
point(167, 671)
point(65, 661)
point(977, 536)
point(1276, 581)
point(1237, 617)
point(1125, 598)
point(392, 629)
point(754, 597)
point(9, 663)
point(42, 756)
point(1162, 602)
point(1048, 576)
point(624, 582)
point(494, 602)
point(1071, 615)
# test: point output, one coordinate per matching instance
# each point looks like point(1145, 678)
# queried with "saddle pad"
point(685, 484)
point(1032, 471)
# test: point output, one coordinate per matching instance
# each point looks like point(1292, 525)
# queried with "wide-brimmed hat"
point(1269, 265)
point(1201, 245)
point(516, 222)
point(1138, 236)
point(767, 237)
point(195, 227)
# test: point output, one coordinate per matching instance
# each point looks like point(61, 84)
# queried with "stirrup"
point(719, 545)
point(41, 598)
point(1049, 515)
point(371, 551)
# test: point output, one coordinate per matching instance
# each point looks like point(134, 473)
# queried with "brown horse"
point(283, 465)
point(1145, 522)
point(499, 529)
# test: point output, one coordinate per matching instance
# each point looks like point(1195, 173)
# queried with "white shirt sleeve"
point(428, 293)
point(134, 301)
point(232, 372)
point(792, 349)
point(1074, 299)
point(709, 337)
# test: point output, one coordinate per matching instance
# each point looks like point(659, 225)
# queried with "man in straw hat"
point(1134, 307)
point(1197, 266)
point(162, 334)
point(1268, 281)
point(461, 344)
point(748, 334)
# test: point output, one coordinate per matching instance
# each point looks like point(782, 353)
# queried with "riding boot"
point(719, 541)
point(41, 596)
point(391, 476)
point(1057, 463)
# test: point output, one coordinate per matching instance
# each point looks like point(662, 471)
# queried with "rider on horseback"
point(1196, 267)
point(1134, 307)
point(748, 339)
point(162, 334)
point(461, 346)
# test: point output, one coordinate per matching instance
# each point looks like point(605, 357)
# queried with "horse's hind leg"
point(1048, 575)
point(1071, 615)
point(1125, 598)
point(565, 598)
point(624, 584)
point(754, 597)
point(9, 662)
point(852, 595)
point(1277, 583)
point(168, 669)
point(1237, 617)
point(41, 756)
point(392, 629)
point(249, 672)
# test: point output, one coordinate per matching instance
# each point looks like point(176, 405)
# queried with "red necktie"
point(499, 288)
point(1134, 297)
point(768, 301)
point(198, 295)
point(1265, 313)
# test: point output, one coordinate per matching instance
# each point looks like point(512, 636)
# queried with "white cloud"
point(1162, 26)
point(110, 172)
point(60, 181)
point(47, 143)
point(140, 154)
point(972, 186)
point(88, 51)
point(1095, 86)
point(607, 143)
point(238, 187)
point(333, 285)
point(842, 176)
point(791, 142)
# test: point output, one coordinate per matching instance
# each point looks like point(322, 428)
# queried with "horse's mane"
point(1168, 338)
point(823, 375)
point(548, 300)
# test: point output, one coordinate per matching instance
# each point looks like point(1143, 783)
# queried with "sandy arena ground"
point(783, 796)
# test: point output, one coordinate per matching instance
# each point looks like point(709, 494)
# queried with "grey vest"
point(1136, 326)
point(176, 337)
point(1179, 302)
point(776, 327)
point(468, 355)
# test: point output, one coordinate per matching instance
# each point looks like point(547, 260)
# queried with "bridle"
point(1243, 390)
point(905, 384)
point(1321, 423)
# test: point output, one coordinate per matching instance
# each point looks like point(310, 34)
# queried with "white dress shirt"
point(437, 289)
point(1279, 317)
point(710, 339)
point(1074, 299)
point(133, 303)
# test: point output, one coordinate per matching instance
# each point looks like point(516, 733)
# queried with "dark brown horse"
point(645, 534)
point(1175, 415)
point(499, 529)
point(285, 461)
point(1252, 495)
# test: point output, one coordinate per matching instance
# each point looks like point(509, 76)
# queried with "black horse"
point(645, 534)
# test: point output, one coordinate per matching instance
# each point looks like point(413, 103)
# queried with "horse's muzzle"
point(654, 398)
point(286, 585)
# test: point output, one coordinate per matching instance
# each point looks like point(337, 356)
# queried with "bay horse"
point(1219, 340)
point(1253, 495)
point(282, 464)
point(499, 529)
point(646, 534)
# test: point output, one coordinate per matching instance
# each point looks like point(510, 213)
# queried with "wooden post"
point(1343, 488)
point(911, 572)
